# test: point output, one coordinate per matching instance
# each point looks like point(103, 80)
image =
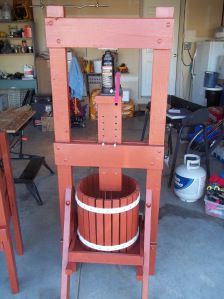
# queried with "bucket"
point(107, 221)
point(97, 66)
point(213, 96)
point(210, 79)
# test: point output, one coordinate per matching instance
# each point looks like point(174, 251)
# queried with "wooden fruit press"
point(100, 217)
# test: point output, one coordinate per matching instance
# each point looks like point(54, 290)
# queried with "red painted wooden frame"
point(8, 212)
point(153, 33)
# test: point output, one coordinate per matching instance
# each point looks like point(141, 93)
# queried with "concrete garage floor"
point(190, 244)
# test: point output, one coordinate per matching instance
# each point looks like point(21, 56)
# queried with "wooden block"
point(47, 123)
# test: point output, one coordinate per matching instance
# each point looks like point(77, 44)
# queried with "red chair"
point(8, 212)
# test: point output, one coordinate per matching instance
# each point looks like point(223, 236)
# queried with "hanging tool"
point(43, 3)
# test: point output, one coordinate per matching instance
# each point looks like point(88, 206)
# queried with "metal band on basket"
point(107, 210)
point(108, 248)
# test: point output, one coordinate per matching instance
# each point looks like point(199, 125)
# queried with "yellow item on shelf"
point(128, 109)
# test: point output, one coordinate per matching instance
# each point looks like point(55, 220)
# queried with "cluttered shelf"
point(18, 84)
point(19, 38)
point(16, 54)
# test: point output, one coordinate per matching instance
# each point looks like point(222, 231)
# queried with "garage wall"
point(201, 19)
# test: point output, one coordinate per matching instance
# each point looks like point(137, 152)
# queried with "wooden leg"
point(147, 229)
point(154, 183)
point(65, 278)
point(10, 259)
point(11, 193)
point(17, 230)
point(139, 269)
point(65, 179)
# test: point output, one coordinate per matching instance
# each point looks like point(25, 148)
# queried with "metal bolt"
point(168, 24)
point(58, 41)
point(50, 23)
point(67, 203)
point(159, 40)
point(65, 160)
point(148, 205)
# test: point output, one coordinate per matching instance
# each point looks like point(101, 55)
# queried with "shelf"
point(17, 83)
point(11, 38)
point(16, 22)
point(16, 54)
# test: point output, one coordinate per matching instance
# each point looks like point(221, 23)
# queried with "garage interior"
point(189, 241)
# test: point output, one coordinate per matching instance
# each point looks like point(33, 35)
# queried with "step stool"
point(29, 174)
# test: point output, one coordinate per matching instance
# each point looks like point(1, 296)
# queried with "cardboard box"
point(43, 76)
point(47, 123)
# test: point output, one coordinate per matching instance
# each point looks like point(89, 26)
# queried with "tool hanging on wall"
point(22, 9)
point(44, 3)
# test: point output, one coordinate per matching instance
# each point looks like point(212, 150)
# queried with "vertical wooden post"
point(61, 105)
point(161, 66)
point(65, 277)
point(147, 227)
point(109, 131)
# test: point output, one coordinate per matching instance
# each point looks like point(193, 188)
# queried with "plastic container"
point(97, 65)
point(190, 179)
point(16, 97)
point(213, 209)
point(3, 102)
point(108, 73)
point(210, 79)
point(213, 96)
point(6, 12)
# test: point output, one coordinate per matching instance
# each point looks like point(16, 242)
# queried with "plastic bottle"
point(6, 12)
point(108, 73)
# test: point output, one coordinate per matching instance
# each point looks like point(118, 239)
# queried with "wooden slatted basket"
point(107, 221)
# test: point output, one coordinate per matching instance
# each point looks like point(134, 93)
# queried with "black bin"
point(213, 96)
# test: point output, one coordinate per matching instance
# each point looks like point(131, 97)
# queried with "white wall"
point(202, 17)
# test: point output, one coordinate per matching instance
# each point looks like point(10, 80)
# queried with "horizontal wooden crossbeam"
point(109, 33)
point(120, 156)
point(105, 258)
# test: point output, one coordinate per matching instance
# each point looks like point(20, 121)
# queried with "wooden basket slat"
point(80, 214)
point(99, 223)
point(86, 218)
point(129, 219)
point(92, 221)
point(123, 223)
point(115, 224)
point(107, 224)
point(135, 213)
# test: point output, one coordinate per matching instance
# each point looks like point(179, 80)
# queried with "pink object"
point(27, 32)
point(117, 87)
point(215, 179)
